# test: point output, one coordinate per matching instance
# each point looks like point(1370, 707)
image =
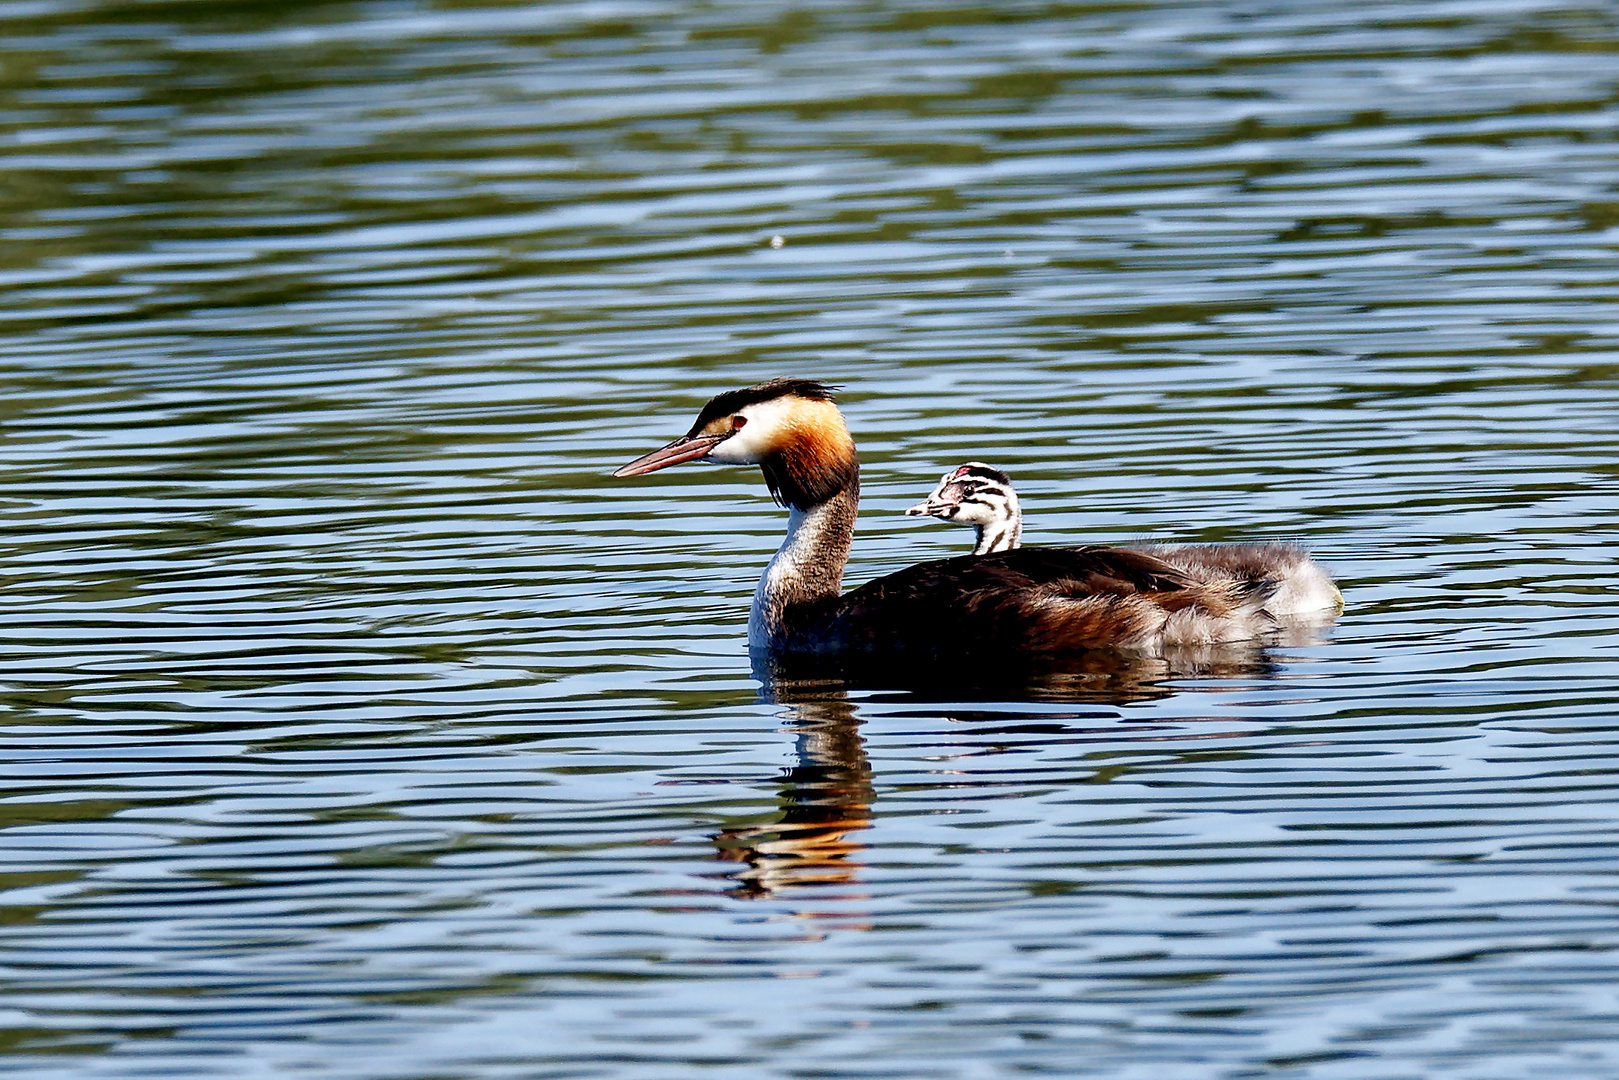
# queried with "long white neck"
point(807, 567)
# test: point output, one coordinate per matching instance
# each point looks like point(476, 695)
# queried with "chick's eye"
point(738, 422)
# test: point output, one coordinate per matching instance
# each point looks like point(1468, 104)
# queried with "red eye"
point(737, 422)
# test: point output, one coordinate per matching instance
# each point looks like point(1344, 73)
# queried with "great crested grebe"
point(1027, 600)
point(981, 496)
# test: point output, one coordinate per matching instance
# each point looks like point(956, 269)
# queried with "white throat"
point(807, 567)
point(786, 566)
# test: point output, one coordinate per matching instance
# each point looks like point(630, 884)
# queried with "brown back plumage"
point(1030, 600)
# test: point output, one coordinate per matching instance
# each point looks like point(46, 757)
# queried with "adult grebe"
point(981, 496)
point(1029, 600)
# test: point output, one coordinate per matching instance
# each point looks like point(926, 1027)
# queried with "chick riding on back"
point(981, 496)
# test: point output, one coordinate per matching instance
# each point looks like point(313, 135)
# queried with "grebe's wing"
point(1027, 600)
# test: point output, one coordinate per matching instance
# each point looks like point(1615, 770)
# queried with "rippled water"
point(357, 725)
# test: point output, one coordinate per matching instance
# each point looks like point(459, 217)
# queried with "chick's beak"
point(934, 506)
point(685, 448)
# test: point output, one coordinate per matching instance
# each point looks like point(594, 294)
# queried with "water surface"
point(357, 724)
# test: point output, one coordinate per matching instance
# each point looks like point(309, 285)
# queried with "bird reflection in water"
point(825, 799)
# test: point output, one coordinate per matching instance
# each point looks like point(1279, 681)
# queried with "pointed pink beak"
point(686, 448)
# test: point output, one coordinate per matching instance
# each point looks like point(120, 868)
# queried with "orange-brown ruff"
point(816, 456)
point(1030, 600)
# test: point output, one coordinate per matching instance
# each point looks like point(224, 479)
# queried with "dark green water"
point(357, 725)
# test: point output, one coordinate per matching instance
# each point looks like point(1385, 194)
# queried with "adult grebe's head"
point(976, 494)
point(790, 428)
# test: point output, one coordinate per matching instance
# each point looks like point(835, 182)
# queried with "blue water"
point(358, 725)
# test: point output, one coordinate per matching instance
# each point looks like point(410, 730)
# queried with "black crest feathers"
point(729, 402)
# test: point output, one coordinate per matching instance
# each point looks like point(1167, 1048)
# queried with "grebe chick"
point(977, 495)
point(1010, 603)
point(981, 496)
